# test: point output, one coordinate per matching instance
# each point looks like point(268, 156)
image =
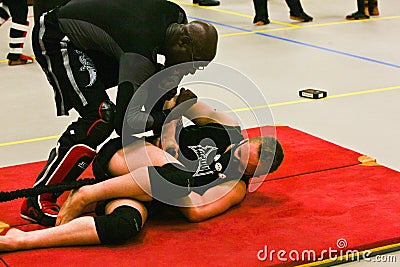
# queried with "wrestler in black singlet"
point(199, 146)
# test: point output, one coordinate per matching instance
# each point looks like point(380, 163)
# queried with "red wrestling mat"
point(305, 153)
point(305, 215)
point(17, 177)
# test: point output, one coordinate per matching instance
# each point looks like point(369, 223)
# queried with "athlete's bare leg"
point(119, 187)
point(81, 231)
point(135, 185)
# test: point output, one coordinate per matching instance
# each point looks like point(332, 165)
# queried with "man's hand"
point(185, 95)
point(170, 146)
point(167, 140)
point(184, 101)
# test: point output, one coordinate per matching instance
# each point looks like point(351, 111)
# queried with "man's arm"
point(214, 201)
point(134, 70)
point(178, 105)
point(201, 114)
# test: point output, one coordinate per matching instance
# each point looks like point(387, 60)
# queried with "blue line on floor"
point(301, 43)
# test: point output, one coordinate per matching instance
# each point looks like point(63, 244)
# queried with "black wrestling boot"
point(206, 2)
point(357, 16)
point(302, 17)
point(360, 14)
point(373, 8)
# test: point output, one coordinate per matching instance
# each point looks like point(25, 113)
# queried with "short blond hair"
point(270, 153)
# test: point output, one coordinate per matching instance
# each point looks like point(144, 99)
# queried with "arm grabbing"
point(201, 114)
point(211, 204)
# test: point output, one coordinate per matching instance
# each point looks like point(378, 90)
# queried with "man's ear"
point(184, 40)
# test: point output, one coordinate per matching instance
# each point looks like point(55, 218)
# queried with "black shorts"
point(103, 157)
point(71, 72)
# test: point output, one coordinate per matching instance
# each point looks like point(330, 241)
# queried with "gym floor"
point(356, 62)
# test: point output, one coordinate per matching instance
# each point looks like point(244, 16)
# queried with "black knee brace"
point(91, 130)
point(170, 181)
point(118, 227)
point(101, 129)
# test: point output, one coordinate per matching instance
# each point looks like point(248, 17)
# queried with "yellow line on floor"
point(253, 32)
point(304, 26)
point(30, 140)
point(309, 100)
point(220, 10)
point(348, 21)
point(214, 9)
point(238, 110)
point(290, 26)
point(6, 60)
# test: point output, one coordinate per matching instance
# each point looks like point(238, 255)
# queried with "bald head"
point(192, 42)
point(205, 39)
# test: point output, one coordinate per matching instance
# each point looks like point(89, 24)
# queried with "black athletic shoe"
point(302, 17)
point(357, 16)
point(206, 2)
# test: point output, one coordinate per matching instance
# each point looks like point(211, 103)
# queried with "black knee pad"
point(91, 129)
point(118, 227)
point(171, 181)
point(100, 163)
point(102, 128)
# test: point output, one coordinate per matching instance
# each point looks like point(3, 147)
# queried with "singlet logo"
point(202, 153)
point(87, 66)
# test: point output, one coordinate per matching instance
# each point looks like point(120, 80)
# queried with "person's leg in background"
point(206, 2)
point(360, 13)
point(261, 10)
point(4, 16)
point(371, 7)
point(297, 12)
point(18, 31)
